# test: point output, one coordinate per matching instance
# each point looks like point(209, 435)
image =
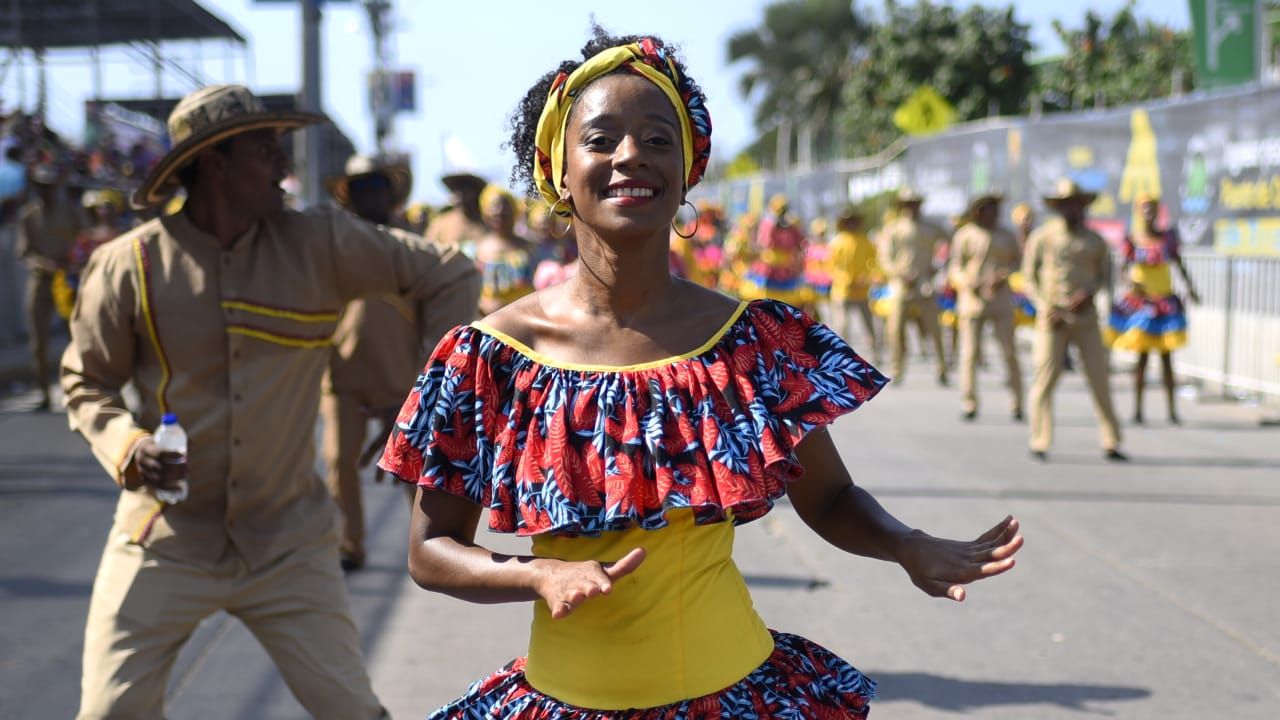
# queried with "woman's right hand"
point(566, 585)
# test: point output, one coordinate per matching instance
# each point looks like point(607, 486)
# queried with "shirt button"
point(236, 397)
point(235, 354)
point(235, 442)
point(234, 483)
point(231, 523)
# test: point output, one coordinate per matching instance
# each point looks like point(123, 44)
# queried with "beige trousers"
point(970, 329)
point(1048, 350)
point(900, 311)
point(145, 606)
point(39, 308)
point(345, 428)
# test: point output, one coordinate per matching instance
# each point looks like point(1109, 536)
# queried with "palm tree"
point(800, 59)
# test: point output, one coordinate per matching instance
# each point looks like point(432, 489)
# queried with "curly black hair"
point(523, 122)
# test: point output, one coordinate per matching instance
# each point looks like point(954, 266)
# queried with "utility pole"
point(309, 143)
point(380, 101)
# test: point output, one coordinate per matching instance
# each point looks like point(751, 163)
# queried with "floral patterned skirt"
point(800, 679)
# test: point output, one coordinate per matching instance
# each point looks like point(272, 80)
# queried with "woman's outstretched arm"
point(851, 519)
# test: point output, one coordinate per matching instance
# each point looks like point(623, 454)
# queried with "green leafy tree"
point(976, 59)
point(1114, 62)
point(798, 65)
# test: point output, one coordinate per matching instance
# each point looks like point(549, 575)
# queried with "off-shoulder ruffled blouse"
point(555, 447)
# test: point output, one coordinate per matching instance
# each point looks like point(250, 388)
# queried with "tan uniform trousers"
point(970, 329)
point(346, 428)
point(1048, 351)
point(901, 310)
point(39, 307)
point(145, 606)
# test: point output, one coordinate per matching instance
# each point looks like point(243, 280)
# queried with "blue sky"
point(474, 59)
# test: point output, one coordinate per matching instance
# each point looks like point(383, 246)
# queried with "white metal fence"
point(1234, 333)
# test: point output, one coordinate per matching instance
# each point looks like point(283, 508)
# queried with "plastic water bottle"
point(170, 437)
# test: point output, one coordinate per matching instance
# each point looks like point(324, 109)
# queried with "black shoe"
point(1137, 419)
point(1114, 455)
point(942, 381)
point(969, 416)
point(1040, 455)
point(43, 406)
point(1174, 420)
point(351, 564)
point(1016, 415)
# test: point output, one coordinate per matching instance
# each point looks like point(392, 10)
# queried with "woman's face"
point(499, 214)
point(624, 163)
point(1150, 210)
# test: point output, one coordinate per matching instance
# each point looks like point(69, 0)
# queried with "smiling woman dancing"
point(627, 421)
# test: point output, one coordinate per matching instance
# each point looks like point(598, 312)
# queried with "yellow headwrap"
point(651, 61)
point(493, 192)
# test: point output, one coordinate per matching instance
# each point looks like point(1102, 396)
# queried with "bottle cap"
point(169, 419)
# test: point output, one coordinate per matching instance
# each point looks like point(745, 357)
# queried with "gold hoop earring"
point(697, 222)
point(568, 209)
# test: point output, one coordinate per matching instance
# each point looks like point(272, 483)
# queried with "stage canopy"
point(87, 23)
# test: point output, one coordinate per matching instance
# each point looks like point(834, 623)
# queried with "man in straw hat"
point(906, 250)
point(47, 228)
point(377, 351)
point(463, 224)
point(222, 314)
point(983, 256)
point(1065, 265)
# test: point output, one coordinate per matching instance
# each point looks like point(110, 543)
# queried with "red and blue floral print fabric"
point(557, 448)
point(801, 679)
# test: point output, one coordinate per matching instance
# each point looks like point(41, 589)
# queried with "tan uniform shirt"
point(381, 344)
point(235, 342)
point(906, 249)
point(46, 234)
point(455, 228)
point(1058, 263)
point(977, 257)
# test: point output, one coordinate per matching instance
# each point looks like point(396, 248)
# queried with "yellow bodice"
point(681, 626)
point(1155, 280)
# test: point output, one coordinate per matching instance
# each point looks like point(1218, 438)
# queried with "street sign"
point(1226, 42)
point(924, 113)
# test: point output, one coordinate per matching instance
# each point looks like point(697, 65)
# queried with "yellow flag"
point(923, 113)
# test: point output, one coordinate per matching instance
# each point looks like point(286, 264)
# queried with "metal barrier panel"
point(1255, 326)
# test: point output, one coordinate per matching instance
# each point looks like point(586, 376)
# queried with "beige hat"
point(205, 118)
point(978, 201)
point(457, 181)
point(359, 166)
point(907, 195)
point(1068, 191)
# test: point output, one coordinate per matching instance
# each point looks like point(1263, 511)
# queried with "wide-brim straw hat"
point(978, 201)
point(361, 166)
point(850, 213)
point(908, 196)
point(205, 118)
point(1067, 191)
point(458, 181)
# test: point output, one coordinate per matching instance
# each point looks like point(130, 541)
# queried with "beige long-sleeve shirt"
point(906, 248)
point(47, 232)
point(234, 341)
point(1058, 263)
point(382, 342)
point(980, 257)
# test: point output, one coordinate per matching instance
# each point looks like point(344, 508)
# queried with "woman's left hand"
point(942, 567)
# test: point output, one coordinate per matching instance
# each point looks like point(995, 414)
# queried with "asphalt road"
point(1146, 590)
